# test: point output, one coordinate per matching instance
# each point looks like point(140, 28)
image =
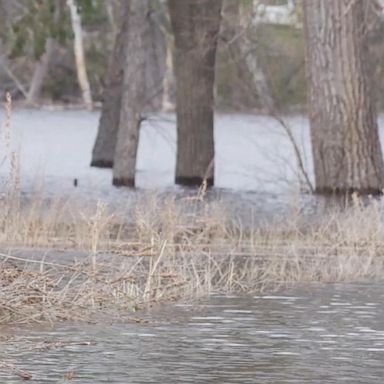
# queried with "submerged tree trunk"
point(196, 26)
point(105, 144)
point(79, 54)
point(344, 132)
point(133, 95)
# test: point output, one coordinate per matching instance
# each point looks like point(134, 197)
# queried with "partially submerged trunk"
point(81, 68)
point(344, 132)
point(133, 95)
point(196, 26)
point(105, 144)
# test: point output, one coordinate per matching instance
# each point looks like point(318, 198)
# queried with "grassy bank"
point(80, 263)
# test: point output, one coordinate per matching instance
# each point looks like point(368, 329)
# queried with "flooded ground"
point(255, 164)
point(252, 152)
point(255, 167)
point(313, 334)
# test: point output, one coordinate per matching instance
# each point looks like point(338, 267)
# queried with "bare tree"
point(344, 132)
point(195, 24)
point(166, 41)
point(242, 45)
point(44, 62)
point(133, 94)
point(104, 148)
point(40, 72)
point(156, 60)
point(239, 37)
point(79, 54)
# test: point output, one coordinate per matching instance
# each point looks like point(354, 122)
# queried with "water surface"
point(315, 334)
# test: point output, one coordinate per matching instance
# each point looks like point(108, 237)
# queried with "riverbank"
point(60, 264)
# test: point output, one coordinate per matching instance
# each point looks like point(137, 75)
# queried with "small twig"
point(32, 261)
point(25, 375)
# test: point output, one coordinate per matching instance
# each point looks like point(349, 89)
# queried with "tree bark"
point(133, 94)
point(344, 132)
point(195, 24)
point(104, 148)
point(42, 66)
point(79, 55)
point(105, 144)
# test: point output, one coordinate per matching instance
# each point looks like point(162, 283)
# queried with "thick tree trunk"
point(196, 26)
point(40, 72)
point(104, 148)
point(105, 144)
point(79, 54)
point(133, 95)
point(346, 149)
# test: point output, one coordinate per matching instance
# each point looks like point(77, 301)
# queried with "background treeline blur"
point(37, 60)
point(31, 29)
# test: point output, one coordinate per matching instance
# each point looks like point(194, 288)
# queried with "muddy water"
point(316, 334)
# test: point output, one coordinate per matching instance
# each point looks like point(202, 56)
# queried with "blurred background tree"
point(38, 64)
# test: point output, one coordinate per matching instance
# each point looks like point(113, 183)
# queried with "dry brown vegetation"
point(169, 250)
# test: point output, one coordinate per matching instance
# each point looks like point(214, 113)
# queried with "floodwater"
point(252, 152)
point(313, 334)
point(255, 169)
point(255, 163)
point(316, 334)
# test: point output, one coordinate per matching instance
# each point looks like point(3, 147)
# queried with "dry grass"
point(172, 250)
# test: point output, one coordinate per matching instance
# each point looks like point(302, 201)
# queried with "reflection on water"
point(320, 334)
